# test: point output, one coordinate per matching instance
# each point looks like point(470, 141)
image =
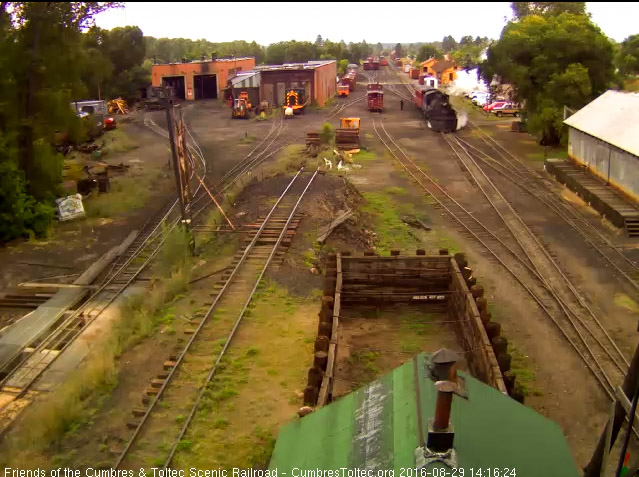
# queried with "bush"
point(20, 214)
point(327, 134)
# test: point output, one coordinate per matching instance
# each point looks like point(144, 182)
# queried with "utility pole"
point(630, 383)
point(181, 178)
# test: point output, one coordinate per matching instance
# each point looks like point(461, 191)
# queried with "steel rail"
point(568, 311)
point(516, 276)
point(537, 184)
point(195, 334)
point(64, 334)
point(227, 342)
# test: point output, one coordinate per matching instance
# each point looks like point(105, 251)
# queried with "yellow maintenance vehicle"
point(343, 90)
point(241, 106)
point(295, 100)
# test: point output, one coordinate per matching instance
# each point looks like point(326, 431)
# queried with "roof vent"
point(439, 442)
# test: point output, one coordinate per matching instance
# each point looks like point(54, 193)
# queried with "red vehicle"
point(368, 65)
point(109, 123)
point(349, 80)
point(398, 62)
point(491, 106)
point(375, 97)
point(383, 61)
point(375, 63)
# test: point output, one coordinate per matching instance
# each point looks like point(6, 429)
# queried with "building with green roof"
point(385, 425)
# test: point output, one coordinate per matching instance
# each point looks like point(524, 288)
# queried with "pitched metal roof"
point(442, 65)
point(378, 427)
point(310, 65)
point(613, 117)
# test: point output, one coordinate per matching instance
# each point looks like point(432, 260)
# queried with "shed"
point(446, 71)
point(604, 137)
point(384, 425)
point(248, 81)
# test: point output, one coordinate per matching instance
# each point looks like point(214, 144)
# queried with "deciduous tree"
point(552, 61)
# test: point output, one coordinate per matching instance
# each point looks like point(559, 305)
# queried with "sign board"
point(70, 207)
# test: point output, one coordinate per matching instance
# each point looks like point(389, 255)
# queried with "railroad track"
point(21, 373)
point(513, 169)
point(182, 389)
point(529, 264)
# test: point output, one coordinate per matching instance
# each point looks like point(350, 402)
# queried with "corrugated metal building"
point(387, 423)
point(604, 137)
point(316, 77)
point(248, 81)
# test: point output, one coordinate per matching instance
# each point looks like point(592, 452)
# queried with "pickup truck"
point(505, 109)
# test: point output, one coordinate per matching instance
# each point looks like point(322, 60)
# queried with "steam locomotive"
point(436, 109)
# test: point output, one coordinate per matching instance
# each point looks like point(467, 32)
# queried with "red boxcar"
point(368, 65)
point(383, 62)
point(349, 79)
point(375, 97)
point(398, 62)
point(414, 73)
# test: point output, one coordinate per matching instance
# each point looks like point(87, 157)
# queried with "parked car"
point(505, 109)
point(481, 101)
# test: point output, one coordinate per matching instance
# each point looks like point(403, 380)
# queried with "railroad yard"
point(207, 374)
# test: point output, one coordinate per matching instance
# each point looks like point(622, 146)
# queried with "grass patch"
point(289, 159)
point(127, 192)
point(395, 190)
point(116, 141)
point(366, 361)
point(525, 376)
point(365, 155)
point(624, 301)
point(242, 408)
point(392, 232)
point(75, 402)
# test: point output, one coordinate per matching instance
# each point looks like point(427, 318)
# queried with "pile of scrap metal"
point(97, 177)
point(347, 135)
point(118, 106)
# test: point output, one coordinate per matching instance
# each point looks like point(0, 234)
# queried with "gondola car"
point(437, 111)
point(375, 97)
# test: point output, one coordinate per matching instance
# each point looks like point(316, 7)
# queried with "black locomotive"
point(437, 111)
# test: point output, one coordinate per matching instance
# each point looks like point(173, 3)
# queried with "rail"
point(137, 432)
point(514, 263)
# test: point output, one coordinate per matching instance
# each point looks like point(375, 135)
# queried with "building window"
point(450, 76)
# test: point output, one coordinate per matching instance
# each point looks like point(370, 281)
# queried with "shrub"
point(327, 134)
point(20, 214)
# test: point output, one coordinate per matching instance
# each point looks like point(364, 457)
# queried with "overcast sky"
point(349, 21)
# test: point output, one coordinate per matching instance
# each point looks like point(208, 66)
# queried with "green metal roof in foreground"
point(377, 427)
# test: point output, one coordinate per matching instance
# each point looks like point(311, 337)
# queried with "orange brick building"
point(199, 79)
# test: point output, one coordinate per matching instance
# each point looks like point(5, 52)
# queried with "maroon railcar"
point(375, 97)
point(349, 80)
